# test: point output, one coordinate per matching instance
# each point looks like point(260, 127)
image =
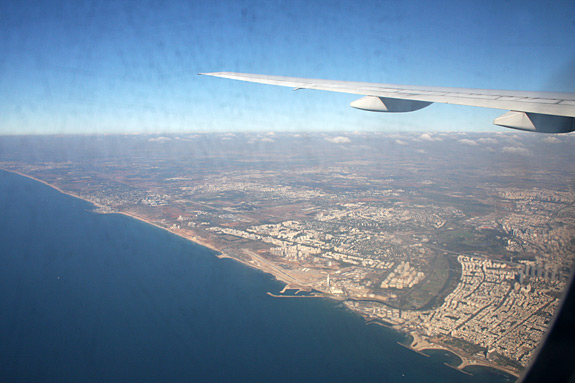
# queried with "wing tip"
point(215, 74)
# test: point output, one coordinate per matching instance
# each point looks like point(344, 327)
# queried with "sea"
point(87, 297)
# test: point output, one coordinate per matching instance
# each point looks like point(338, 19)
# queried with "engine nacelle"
point(391, 105)
point(534, 122)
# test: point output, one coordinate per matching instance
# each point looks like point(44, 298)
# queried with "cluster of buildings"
point(257, 190)
point(539, 270)
point(528, 222)
point(293, 245)
point(403, 276)
point(489, 308)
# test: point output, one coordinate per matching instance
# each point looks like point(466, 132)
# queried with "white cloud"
point(399, 142)
point(338, 140)
point(426, 137)
point(429, 137)
point(467, 141)
point(552, 140)
point(487, 140)
point(516, 150)
point(160, 139)
point(266, 139)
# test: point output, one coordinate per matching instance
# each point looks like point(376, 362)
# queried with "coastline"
point(255, 260)
point(418, 344)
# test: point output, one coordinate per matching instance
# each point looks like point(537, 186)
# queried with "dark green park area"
point(462, 240)
point(440, 282)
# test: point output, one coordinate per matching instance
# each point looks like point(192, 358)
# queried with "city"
point(464, 247)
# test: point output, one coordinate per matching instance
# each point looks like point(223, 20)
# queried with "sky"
point(87, 67)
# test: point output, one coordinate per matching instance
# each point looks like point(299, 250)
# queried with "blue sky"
point(131, 66)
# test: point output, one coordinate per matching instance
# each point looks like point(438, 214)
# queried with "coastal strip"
point(293, 296)
point(420, 345)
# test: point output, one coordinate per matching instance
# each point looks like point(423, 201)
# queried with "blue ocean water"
point(86, 297)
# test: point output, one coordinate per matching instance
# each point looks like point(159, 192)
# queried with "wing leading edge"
point(545, 112)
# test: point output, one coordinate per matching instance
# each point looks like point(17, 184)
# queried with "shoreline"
point(418, 343)
point(280, 275)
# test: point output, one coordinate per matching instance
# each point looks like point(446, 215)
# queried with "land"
point(466, 247)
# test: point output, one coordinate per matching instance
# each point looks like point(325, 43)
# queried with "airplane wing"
point(544, 112)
